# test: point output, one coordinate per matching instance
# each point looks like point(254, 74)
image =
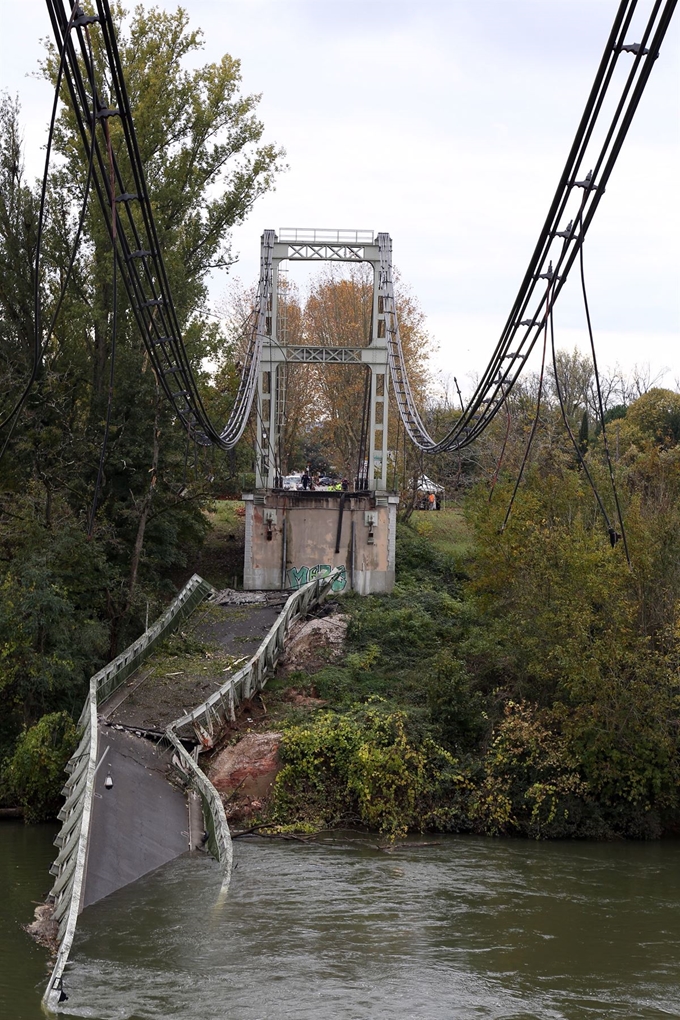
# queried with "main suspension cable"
point(521, 334)
point(140, 262)
point(83, 207)
point(143, 271)
point(114, 330)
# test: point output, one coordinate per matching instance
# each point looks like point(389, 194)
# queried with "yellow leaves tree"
point(338, 313)
point(324, 403)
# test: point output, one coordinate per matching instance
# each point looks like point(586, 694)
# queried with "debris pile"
point(44, 929)
point(312, 644)
point(232, 597)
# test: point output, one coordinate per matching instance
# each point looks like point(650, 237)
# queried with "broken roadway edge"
point(140, 819)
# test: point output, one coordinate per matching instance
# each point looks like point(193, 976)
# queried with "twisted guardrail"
point(221, 707)
point(75, 815)
point(69, 867)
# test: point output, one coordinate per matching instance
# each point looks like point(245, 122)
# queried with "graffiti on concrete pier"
point(297, 576)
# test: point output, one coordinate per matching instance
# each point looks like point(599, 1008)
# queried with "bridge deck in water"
point(143, 820)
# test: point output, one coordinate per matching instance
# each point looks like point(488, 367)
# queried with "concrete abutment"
point(294, 536)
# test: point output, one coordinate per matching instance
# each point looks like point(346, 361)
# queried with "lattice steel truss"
point(314, 246)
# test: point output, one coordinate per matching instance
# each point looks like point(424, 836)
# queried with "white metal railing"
point(214, 712)
point(75, 815)
point(219, 837)
point(115, 672)
point(316, 236)
point(221, 705)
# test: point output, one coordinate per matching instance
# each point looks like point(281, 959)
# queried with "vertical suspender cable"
point(114, 326)
point(535, 422)
point(601, 408)
point(13, 415)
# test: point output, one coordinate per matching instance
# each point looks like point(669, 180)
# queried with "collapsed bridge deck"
point(122, 818)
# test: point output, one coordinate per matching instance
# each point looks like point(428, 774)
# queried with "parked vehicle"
point(293, 481)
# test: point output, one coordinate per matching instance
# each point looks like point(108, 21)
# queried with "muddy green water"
point(471, 928)
point(26, 852)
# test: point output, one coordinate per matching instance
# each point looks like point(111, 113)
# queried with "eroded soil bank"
point(246, 761)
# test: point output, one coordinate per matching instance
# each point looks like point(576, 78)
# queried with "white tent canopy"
point(426, 484)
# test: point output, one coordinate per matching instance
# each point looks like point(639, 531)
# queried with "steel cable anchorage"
point(139, 257)
point(577, 196)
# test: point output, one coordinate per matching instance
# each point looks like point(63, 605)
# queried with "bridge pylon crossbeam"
point(310, 245)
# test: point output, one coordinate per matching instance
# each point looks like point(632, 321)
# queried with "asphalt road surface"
point(140, 823)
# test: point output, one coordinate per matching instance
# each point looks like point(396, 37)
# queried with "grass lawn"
point(446, 529)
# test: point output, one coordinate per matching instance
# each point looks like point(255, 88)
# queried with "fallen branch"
point(251, 830)
point(389, 848)
point(256, 830)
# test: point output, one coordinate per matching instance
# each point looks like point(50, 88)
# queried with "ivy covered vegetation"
point(525, 683)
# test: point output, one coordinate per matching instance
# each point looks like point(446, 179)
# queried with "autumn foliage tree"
point(338, 313)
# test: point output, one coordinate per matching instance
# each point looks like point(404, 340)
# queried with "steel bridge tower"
point(292, 536)
point(298, 245)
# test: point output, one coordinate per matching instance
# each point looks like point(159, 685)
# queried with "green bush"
point(532, 784)
point(34, 775)
point(456, 709)
point(393, 644)
point(549, 675)
point(362, 767)
point(420, 564)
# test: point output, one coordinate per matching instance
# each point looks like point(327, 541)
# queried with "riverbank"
point(434, 717)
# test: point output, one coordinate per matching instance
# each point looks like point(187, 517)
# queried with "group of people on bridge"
point(314, 481)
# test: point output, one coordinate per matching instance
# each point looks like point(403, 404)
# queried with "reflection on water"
point(469, 928)
point(26, 852)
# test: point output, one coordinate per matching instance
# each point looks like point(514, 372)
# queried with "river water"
point(469, 928)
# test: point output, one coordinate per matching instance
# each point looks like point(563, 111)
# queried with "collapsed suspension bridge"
point(118, 179)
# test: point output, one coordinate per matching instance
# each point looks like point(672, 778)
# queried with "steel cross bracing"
point(326, 252)
point(580, 189)
point(138, 251)
point(336, 246)
point(310, 355)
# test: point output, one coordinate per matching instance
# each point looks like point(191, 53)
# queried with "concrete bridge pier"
point(294, 536)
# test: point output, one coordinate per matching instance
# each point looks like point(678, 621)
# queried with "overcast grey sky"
point(446, 124)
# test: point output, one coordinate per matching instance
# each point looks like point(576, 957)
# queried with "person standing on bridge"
point(306, 479)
